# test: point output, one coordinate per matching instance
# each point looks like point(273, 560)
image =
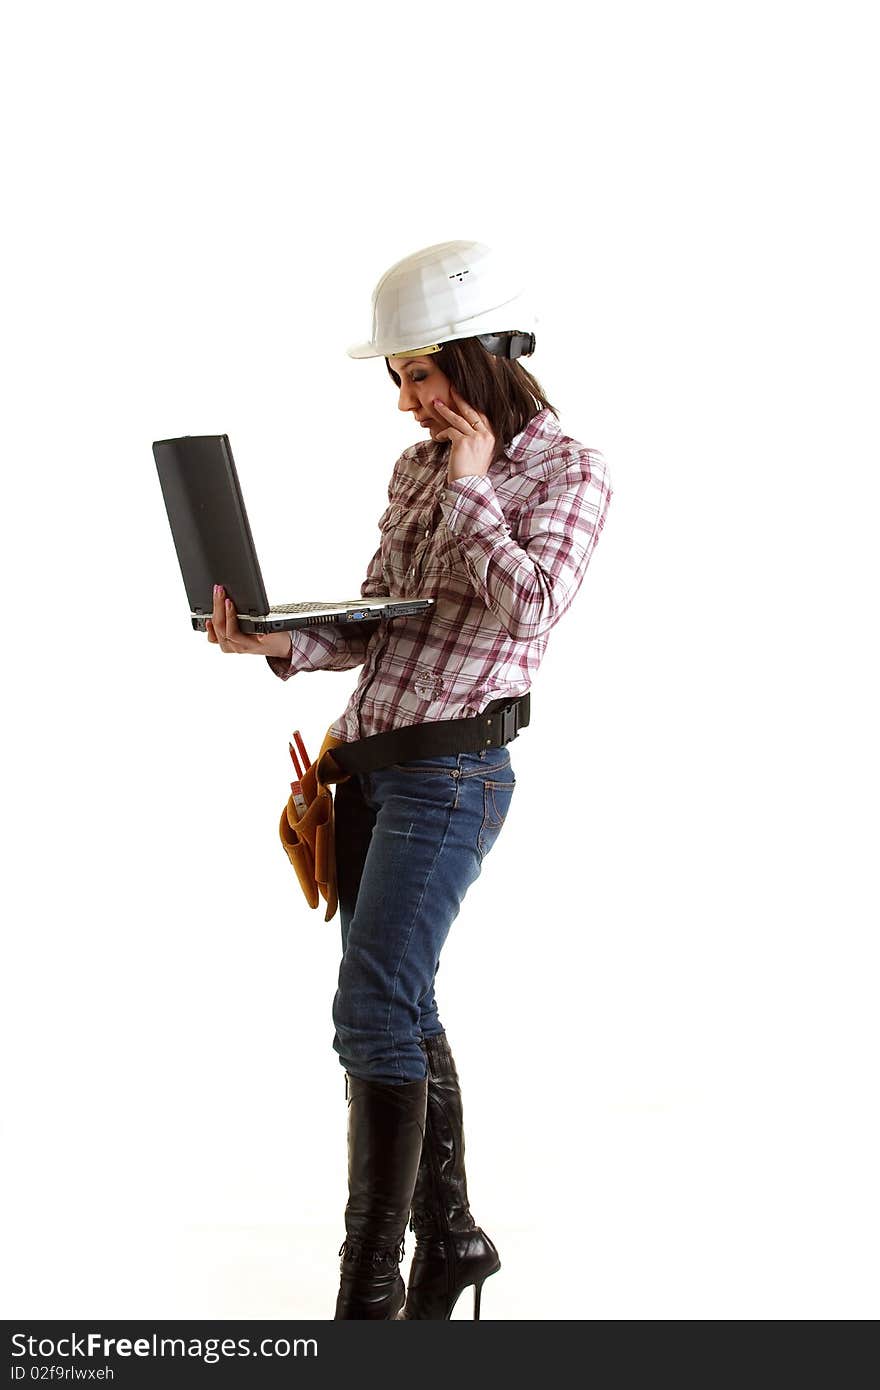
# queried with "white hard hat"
point(456, 289)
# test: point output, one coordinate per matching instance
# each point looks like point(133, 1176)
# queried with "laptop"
point(214, 545)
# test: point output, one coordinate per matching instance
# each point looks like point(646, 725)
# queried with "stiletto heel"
point(452, 1252)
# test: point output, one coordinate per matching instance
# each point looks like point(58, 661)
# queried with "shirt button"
point(427, 532)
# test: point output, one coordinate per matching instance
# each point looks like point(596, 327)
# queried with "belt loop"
point(509, 723)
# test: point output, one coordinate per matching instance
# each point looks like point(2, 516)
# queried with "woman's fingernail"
point(229, 603)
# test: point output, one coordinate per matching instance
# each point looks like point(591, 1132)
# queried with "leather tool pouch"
point(309, 839)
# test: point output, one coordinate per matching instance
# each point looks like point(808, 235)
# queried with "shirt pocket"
point(446, 549)
point(393, 545)
point(440, 565)
point(390, 517)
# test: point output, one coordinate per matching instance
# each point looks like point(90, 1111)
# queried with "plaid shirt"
point(502, 556)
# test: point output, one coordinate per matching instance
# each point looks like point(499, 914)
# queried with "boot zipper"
point(441, 1207)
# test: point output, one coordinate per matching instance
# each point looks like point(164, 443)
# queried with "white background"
point(661, 994)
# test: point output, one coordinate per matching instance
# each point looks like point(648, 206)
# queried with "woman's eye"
point(414, 379)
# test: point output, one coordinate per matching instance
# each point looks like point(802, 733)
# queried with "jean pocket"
point(497, 797)
point(491, 763)
point(446, 763)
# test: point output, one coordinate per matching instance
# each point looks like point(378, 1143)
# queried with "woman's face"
point(420, 381)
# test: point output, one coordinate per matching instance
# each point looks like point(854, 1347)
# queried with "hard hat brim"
point(516, 313)
point(363, 350)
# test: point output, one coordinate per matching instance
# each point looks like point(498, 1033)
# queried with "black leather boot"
point(452, 1252)
point(386, 1126)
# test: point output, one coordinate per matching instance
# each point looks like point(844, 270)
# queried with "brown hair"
point(496, 386)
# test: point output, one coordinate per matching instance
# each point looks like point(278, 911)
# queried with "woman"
point(494, 517)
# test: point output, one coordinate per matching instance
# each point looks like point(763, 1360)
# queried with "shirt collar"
point(525, 450)
point(539, 435)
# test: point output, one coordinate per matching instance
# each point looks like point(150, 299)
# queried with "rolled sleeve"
point(469, 505)
point(528, 582)
point(320, 649)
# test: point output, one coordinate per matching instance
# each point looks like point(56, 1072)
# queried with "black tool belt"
point(494, 726)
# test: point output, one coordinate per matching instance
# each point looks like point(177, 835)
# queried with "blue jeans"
point(410, 840)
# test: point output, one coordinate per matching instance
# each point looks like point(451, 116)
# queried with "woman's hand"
point(473, 443)
point(223, 630)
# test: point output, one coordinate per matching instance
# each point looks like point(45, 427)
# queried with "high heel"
point(452, 1252)
point(443, 1267)
point(478, 1289)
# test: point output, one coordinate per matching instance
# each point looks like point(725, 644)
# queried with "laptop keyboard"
point(311, 607)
